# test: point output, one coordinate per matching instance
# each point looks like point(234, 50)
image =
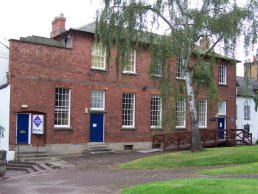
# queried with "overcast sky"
point(21, 18)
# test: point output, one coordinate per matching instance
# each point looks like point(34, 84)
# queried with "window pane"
point(130, 66)
point(97, 99)
point(62, 107)
point(180, 70)
point(180, 112)
point(128, 110)
point(202, 113)
point(156, 113)
point(98, 56)
point(222, 108)
point(222, 74)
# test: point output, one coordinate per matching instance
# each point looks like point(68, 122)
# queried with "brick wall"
point(36, 70)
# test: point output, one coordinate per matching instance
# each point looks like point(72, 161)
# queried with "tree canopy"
point(172, 29)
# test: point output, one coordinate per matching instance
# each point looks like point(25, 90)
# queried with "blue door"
point(96, 127)
point(22, 128)
point(221, 127)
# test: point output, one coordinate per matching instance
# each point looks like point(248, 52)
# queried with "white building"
point(4, 100)
point(247, 116)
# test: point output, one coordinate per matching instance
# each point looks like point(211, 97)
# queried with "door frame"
point(29, 127)
point(103, 135)
point(225, 122)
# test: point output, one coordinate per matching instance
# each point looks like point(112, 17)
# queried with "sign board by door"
point(38, 124)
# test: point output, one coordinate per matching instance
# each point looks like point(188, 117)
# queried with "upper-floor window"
point(128, 114)
point(156, 111)
point(157, 69)
point(130, 65)
point(202, 113)
point(62, 107)
point(98, 56)
point(246, 112)
point(180, 113)
point(222, 108)
point(97, 100)
point(180, 69)
point(222, 74)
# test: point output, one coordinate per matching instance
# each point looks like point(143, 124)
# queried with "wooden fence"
point(209, 138)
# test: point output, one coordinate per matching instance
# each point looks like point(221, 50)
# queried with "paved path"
point(89, 174)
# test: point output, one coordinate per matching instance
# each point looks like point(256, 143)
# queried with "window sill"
point(179, 78)
point(181, 128)
point(62, 129)
point(247, 119)
point(97, 111)
point(128, 128)
point(129, 73)
point(221, 84)
point(156, 76)
point(156, 128)
point(205, 128)
point(96, 69)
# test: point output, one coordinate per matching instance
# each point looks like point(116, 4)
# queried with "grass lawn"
point(197, 186)
point(250, 168)
point(208, 157)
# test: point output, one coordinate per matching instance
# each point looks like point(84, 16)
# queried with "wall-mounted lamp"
point(145, 87)
point(216, 115)
point(24, 106)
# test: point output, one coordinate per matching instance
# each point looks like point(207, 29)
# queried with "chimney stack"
point(205, 43)
point(58, 25)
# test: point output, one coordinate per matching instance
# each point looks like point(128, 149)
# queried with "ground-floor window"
point(97, 100)
point(128, 115)
point(202, 113)
point(62, 107)
point(180, 113)
point(156, 111)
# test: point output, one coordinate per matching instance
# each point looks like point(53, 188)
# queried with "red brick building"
point(65, 95)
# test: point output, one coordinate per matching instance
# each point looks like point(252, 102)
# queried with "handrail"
point(232, 137)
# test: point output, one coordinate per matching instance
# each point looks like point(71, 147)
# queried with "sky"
point(22, 18)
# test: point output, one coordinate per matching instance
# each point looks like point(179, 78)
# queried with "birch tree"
point(171, 29)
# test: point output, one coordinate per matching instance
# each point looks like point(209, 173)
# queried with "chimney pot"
point(205, 43)
point(58, 25)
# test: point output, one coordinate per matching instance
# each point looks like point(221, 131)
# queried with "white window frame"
point(222, 104)
point(247, 112)
point(61, 109)
point(180, 112)
point(131, 63)
point(157, 69)
point(131, 111)
point(223, 74)
point(98, 55)
point(156, 111)
point(180, 71)
point(95, 96)
point(202, 113)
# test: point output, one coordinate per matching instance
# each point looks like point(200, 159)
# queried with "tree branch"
point(210, 49)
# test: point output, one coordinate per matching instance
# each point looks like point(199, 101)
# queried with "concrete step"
point(29, 149)
point(97, 149)
point(101, 152)
point(29, 167)
point(35, 158)
point(31, 154)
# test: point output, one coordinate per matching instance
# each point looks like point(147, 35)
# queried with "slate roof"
point(90, 28)
point(246, 87)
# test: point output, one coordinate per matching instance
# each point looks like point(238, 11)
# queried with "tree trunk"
point(196, 141)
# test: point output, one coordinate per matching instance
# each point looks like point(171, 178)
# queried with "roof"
point(246, 87)
point(43, 41)
point(90, 28)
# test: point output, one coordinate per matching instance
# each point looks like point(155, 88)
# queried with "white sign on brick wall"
point(38, 124)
